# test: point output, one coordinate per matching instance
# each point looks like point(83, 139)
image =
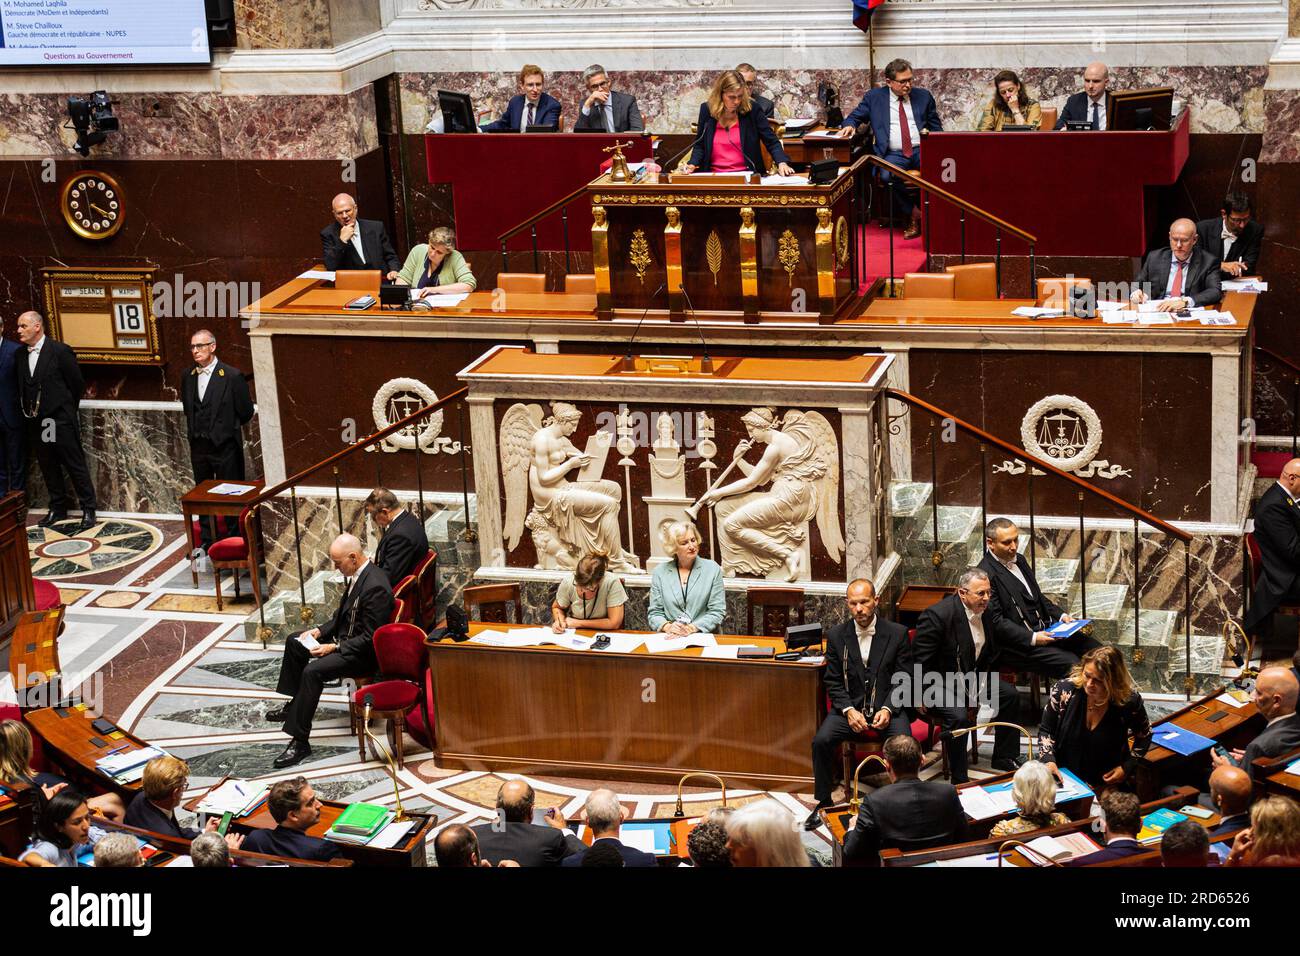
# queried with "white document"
point(1218, 318)
point(643, 840)
point(318, 274)
point(1049, 847)
point(1120, 317)
point(1109, 305)
point(233, 796)
point(391, 835)
point(1230, 700)
point(822, 134)
point(445, 300)
point(181, 861)
point(1244, 285)
point(621, 642)
point(231, 488)
point(802, 122)
point(664, 643)
point(1155, 318)
point(307, 641)
point(491, 639)
point(784, 181)
point(978, 859)
point(722, 652)
point(1037, 312)
point(978, 803)
point(1293, 768)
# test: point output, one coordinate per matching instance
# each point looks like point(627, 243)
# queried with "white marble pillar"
point(268, 409)
point(859, 496)
point(900, 445)
point(1225, 446)
point(482, 430)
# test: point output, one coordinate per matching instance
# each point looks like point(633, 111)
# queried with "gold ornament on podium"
point(842, 242)
point(618, 171)
point(639, 256)
point(788, 254)
point(713, 252)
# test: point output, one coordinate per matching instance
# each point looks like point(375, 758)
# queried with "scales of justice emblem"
point(1065, 431)
point(398, 398)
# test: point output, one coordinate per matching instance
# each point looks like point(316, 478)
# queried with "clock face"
point(93, 205)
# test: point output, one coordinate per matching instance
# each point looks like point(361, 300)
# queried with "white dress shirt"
point(976, 622)
point(205, 377)
point(865, 634)
point(1228, 239)
point(896, 131)
point(1014, 567)
point(356, 242)
point(34, 356)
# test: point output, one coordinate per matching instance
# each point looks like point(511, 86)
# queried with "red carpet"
point(909, 255)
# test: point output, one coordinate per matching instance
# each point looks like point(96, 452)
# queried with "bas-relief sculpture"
point(760, 532)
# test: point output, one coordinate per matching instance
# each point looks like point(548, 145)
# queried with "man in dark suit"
point(161, 790)
point(1121, 816)
point(1231, 793)
point(404, 543)
point(957, 663)
point(514, 836)
point(13, 460)
point(49, 390)
point(1091, 105)
point(863, 657)
point(215, 398)
point(604, 814)
point(1275, 694)
point(296, 809)
point(1019, 613)
point(530, 106)
point(910, 814)
point(1232, 237)
point(898, 114)
point(605, 108)
point(350, 243)
point(760, 103)
point(1277, 530)
point(1180, 275)
point(342, 647)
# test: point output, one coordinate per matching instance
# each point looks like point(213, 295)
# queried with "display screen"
point(102, 32)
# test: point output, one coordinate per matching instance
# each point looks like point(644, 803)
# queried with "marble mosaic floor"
point(147, 645)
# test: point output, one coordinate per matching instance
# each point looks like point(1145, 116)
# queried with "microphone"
point(629, 363)
point(706, 363)
point(368, 702)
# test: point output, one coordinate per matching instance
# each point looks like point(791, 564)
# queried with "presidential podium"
point(724, 250)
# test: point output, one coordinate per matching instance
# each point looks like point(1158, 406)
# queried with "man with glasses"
point(760, 103)
point(1232, 237)
point(605, 108)
point(1181, 275)
point(296, 809)
point(898, 113)
point(217, 406)
point(1277, 530)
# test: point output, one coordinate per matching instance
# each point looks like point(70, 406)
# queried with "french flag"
point(862, 11)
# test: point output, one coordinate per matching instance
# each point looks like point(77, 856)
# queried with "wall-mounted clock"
point(93, 204)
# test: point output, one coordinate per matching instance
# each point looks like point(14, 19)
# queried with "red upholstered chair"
point(236, 554)
point(405, 597)
point(47, 595)
point(399, 649)
point(426, 591)
point(421, 722)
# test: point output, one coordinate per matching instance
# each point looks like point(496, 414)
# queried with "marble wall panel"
point(274, 25)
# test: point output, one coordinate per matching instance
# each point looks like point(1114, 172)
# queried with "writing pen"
point(118, 750)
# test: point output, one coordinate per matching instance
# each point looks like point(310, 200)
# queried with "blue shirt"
point(702, 599)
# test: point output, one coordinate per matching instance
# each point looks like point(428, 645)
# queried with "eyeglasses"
point(901, 82)
point(201, 345)
point(602, 85)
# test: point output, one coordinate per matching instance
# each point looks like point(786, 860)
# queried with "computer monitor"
point(1149, 109)
point(457, 112)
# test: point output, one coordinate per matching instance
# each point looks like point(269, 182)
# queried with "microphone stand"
point(994, 723)
point(629, 363)
point(680, 811)
point(1025, 850)
point(706, 363)
point(855, 803)
point(389, 763)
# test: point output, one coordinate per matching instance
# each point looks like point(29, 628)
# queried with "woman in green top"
point(589, 598)
point(436, 268)
point(1010, 106)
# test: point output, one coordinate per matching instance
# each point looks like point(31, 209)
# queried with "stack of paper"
point(234, 796)
point(1061, 848)
point(1244, 285)
point(1119, 317)
point(128, 765)
point(799, 123)
point(1155, 318)
point(1037, 312)
point(1218, 318)
point(663, 643)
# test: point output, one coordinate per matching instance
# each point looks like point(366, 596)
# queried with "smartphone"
point(1201, 813)
point(225, 823)
point(102, 726)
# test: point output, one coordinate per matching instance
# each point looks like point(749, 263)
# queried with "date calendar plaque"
point(105, 314)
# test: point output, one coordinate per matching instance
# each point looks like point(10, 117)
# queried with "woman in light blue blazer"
point(686, 593)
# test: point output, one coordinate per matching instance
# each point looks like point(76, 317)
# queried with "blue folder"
point(1180, 740)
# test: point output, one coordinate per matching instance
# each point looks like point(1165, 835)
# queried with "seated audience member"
point(436, 268)
point(1089, 719)
point(589, 598)
point(730, 130)
point(603, 854)
point(210, 850)
point(707, 844)
point(1230, 793)
point(1232, 237)
point(296, 809)
point(761, 103)
point(686, 593)
point(16, 767)
point(352, 243)
point(514, 836)
point(1121, 818)
point(909, 813)
point(1275, 693)
point(530, 106)
point(162, 789)
point(606, 108)
point(1034, 790)
point(456, 846)
point(1089, 106)
point(1185, 844)
point(764, 833)
point(63, 826)
point(404, 544)
point(1277, 530)
point(118, 851)
point(863, 656)
point(1273, 838)
point(1019, 613)
point(897, 113)
point(604, 815)
point(1010, 105)
point(1181, 275)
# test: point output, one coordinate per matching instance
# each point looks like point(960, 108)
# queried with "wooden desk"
point(34, 650)
point(16, 593)
point(638, 716)
point(199, 501)
point(410, 852)
point(1276, 781)
point(804, 150)
point(71, 741)
point(1196, 718)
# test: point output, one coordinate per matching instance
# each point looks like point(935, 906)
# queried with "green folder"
point(360, 819)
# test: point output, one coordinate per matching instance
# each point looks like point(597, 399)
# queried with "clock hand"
point(98, 210)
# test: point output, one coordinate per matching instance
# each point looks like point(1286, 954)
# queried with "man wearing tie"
point(1231, 237)
point(953, 653)
point(530, 106)
point(215, 398)
point(607, 109)
point(1277, 530)
point(352, 243)
point(862, 656)
point(341, 647)
point(49, 389)
point(13, 461)
point(1089, 106)
point(897, 112)
point(1181, 275)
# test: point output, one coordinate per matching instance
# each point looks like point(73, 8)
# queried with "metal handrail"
point(970, 207)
